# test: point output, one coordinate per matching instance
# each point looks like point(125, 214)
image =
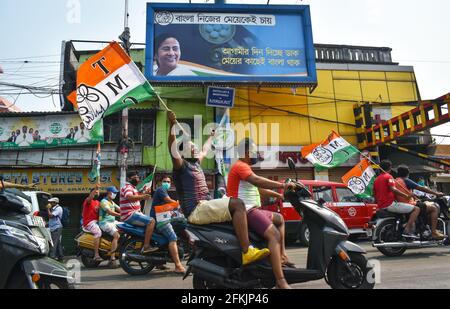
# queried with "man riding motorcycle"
point(243, 183)
point(406, 185)
point(385, 192)
point(130, 210)
point(195, 200)
point(163, 226)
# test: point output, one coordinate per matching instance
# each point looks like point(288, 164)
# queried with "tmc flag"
point(108, 82)
point(332, 152)
point(360, 179)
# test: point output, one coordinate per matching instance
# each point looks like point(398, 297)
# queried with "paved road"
point(427, 268)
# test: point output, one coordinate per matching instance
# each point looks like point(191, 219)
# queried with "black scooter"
point(24, 245)
point(216, 260)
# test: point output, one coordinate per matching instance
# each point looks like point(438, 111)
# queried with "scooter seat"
point(228, 227)
point(383, 213)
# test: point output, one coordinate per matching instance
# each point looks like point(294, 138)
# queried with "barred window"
point(141, 127)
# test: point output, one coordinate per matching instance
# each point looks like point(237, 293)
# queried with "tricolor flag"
point(332, 152)
point(94, 174)
point(107, 83)
point(360, 179)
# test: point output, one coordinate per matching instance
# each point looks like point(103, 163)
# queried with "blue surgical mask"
point(113, 195)
point(166, 186)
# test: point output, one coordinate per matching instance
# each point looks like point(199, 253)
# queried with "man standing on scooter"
point(406, 185)
point(244, 184)
point(195, 200)
point(107, 221)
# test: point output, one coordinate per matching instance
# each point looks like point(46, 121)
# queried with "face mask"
point(134, 182)
point(421, 183)
point(253, 161)
point(166, 186)
point(113, 195)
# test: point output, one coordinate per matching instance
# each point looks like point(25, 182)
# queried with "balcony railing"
point(353, 54)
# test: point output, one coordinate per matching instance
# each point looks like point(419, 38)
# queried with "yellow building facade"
point(305, 117)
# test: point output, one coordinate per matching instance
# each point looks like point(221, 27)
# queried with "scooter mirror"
point(291, 164)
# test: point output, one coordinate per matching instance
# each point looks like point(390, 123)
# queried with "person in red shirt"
point(385, 192)
point(90, 219)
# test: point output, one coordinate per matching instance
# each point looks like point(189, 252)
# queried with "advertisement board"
point(229, 44)
point(47, 131)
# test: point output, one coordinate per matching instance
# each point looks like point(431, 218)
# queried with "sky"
point(417, 31)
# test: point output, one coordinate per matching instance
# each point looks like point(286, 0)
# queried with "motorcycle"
point(216, 261)
point(24, 246)
point(131, 242)
point(388, 228)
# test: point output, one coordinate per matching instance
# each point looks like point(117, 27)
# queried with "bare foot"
point(180, 270)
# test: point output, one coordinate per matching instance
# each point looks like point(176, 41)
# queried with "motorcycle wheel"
point(89, 262)
point(134, 268)
point(47, 283)
point(386, 233)
point(340, 277)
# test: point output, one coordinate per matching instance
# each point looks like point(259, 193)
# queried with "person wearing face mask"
point(130, 210)
point(244, 184)
point(161, 197)
point(107, 220)
point(90, 219)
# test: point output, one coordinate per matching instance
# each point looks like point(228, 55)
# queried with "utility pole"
point(123, 147)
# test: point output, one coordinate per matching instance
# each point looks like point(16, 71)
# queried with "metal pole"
point(125, 37)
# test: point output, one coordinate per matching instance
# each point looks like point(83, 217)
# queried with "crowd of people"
point(240, 205)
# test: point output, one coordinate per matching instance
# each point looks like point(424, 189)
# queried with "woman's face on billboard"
point(168, 55)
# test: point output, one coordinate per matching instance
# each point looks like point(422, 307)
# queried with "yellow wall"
point(310, 117)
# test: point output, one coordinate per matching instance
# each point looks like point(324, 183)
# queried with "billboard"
point(47, 131)
point(229, 44)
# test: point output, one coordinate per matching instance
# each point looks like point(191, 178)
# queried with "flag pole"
point(98, 177)
point(125, 38)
